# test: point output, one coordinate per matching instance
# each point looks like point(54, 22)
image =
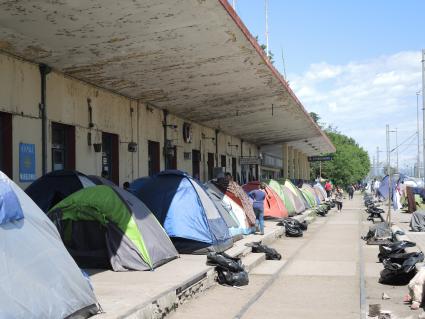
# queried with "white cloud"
point(360, 97)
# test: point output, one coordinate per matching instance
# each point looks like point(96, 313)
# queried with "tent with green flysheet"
point(106, 226)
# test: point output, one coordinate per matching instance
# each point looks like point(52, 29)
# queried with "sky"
point(357, 63)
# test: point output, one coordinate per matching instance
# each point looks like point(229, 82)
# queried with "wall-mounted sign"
point(26, 162)
point(249, 160)
point(320, 158)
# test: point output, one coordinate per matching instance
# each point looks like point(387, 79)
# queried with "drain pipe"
point(165, 149)
point(44, 70)
point(216, 147)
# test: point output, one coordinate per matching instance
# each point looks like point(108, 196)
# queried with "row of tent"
point(104, 226)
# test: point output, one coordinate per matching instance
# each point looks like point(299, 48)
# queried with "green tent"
point(309, 197)
point(287, 200)
point(106, 226)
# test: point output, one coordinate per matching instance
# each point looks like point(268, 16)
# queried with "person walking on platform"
point(328, 188)
point(338, 198)
point(258, 195)
point(350, 190)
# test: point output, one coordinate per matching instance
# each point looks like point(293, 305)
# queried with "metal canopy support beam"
point(285, 160)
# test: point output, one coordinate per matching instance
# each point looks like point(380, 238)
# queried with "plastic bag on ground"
point(394, 248)
point(271, 253)
point(396, 274)
point(225, 261)
point(226, 277)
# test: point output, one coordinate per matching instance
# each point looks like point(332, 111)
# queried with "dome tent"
point(238, 195)
point(187, 213)
point(106, 226)
point(51, 188)
point(285, 195)
point(58, 287)
point(244, 226)
point(226, 211)
point(273, 204)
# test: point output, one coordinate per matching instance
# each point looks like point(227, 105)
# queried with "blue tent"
point(384, 189)
point(185, 210)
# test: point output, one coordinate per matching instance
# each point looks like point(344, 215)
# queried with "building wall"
point(68, 102)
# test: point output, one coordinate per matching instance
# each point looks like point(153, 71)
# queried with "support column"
point(285, 160)
point(297, 164)
point(291, 162)
point(307, 168)
point(302, 167)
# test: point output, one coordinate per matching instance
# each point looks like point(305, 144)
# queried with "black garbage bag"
point(400, 258)
point(394, 248)
point(271, 253)
point(226, 277)
point(396, 274)
point(293, 231)
point(293, 228)
point(225, 261)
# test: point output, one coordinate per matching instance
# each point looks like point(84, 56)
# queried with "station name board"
point(320, 158)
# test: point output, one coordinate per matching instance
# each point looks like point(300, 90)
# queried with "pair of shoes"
point(262, 233)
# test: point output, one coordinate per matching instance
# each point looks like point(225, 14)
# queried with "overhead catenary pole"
point(377, 161)
point(418, 160)
point(389, 174)
point(423, 109)
point(396, 145)
point(266, 9)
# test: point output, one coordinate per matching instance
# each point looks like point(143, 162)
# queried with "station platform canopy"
point(194, 58)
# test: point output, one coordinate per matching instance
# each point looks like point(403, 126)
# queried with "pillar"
point(296, 164)
point(285, 160)
point(302, 166)
point(291, 162)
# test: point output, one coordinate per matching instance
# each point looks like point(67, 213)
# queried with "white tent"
point(39, 279)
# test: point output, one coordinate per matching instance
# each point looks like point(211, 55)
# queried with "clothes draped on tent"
point(236, 192)
point(33, 255)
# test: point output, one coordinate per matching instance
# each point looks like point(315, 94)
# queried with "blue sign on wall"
point(26, 162)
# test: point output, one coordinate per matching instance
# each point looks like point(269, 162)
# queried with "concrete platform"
point(154, 294)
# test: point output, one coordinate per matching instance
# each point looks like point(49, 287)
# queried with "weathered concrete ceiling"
point(194, 58)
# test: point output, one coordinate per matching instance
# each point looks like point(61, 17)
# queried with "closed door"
point(210, 164)
point(223, 161)
point(196, 160)
point(110, 157)
point(153, 158)
point(6, 143)
point(63, 147)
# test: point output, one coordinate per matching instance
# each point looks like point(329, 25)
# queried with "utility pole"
point(396, 145)
point(374, 167)
point(423, 107)
point(389, 175)
point(418, 160)
point(266, 8)
point(377, 161)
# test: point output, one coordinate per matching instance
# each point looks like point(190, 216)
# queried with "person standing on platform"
point(258, 195)
point(338, 198)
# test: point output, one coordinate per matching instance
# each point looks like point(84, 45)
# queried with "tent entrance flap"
point(87, 244)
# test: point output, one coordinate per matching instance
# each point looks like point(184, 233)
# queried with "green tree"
point(350, 162)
